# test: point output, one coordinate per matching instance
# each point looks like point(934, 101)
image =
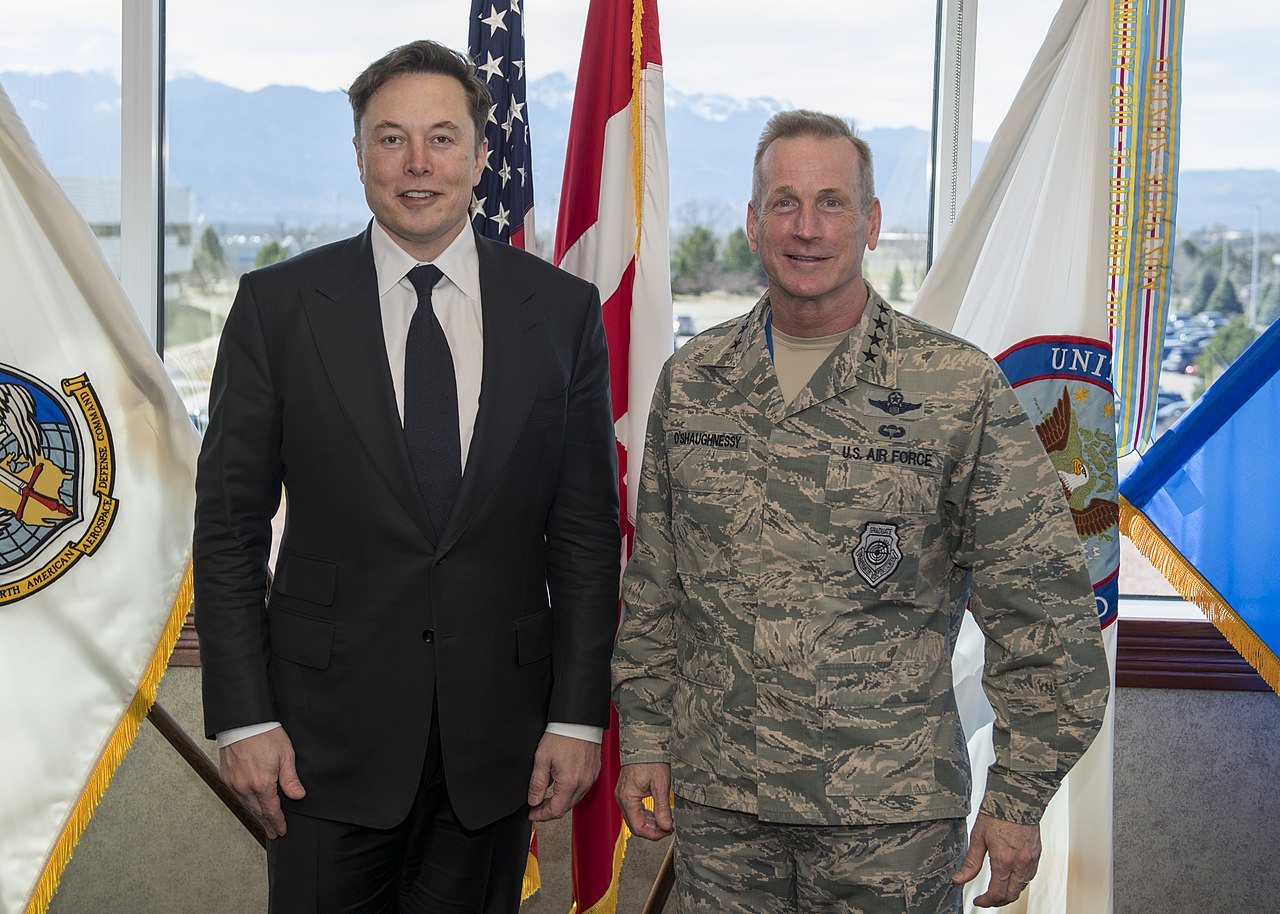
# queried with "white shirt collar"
point(459, 262)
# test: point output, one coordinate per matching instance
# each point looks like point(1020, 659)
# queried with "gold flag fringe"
point(114, 752)
point(1188, 582)
point(637, 128)
point(532, 880)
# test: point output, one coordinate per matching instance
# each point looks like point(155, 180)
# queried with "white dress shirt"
point(456, 302)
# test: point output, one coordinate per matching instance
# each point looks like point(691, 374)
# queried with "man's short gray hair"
point(801, 122)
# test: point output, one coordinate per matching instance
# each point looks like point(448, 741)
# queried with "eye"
point(391, 140)
point(442, 140)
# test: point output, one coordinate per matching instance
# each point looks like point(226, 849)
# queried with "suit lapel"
point(514, 347)
point(346, 322)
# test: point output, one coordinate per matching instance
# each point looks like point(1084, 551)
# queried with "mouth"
point(805, 258)
point(419, 194)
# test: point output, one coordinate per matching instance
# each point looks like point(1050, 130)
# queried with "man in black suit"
point(428, 672)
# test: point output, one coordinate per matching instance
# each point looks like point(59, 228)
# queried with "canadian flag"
point(612, 230)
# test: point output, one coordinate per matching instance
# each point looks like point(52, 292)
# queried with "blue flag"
point(1204, 504)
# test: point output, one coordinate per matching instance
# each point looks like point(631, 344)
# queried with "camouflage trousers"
point(732, 863)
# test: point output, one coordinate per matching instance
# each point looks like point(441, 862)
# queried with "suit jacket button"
point(429, 635)
point(440, 561)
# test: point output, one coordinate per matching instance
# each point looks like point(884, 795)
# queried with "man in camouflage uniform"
point(825, 482)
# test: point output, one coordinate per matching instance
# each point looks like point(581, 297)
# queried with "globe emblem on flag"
point(57, 475)
point(40, 464)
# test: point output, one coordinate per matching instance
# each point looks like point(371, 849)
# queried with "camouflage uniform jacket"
point(800, 572)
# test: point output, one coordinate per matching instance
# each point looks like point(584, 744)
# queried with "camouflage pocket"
point(1031, 741)
point(877, 522)
point(876, 735)
point(698, 713)
point(711, 504)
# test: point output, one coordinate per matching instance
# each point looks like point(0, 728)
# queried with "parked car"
point(682, 326)
point(1189, 337)
point(1213, 319)
point(1170, 413)
point(1181, 359)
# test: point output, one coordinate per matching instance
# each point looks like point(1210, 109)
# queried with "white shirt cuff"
point(235, 734)
point(577, 731)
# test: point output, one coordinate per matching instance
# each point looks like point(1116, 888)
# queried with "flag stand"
point(662, 884)
point(200, 763)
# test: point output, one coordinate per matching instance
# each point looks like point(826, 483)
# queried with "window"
point(61, 70)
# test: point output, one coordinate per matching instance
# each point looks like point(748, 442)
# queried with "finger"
point(639, 819)
point(971, 866)
point(662, 807)
point(270, 813)
point(539, 781)
point(290, 783)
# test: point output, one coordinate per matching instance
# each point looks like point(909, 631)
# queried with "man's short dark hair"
point(423, 56)
point(801, 122)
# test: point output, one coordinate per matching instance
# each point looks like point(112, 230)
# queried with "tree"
point(271, 252)
point(208, 262)
point(1224, 298)
point(895, 283)
point(742, 269)
point(1232, 338)
point(1269, 304)
point(1205, 283)
point(693, 260)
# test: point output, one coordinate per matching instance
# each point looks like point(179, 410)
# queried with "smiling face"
point(811, 232)
point(419, 159)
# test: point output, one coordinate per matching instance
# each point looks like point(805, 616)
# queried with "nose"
point(418, 161)
point(807, 225)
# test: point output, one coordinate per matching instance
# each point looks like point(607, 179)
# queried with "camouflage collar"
point(870, 352)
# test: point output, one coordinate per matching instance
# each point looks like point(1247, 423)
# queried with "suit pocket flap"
point(533, 637)
point(305, 578)
point(299, 639)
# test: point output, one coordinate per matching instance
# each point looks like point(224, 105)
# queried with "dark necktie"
point(431, 403)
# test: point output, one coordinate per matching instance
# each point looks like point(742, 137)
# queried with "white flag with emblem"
point(1023, 274)
point(97, 470)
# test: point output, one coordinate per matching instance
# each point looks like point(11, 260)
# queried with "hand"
point(1015, 854)
point(647, 779)
point(564, 768)
point(253, 767)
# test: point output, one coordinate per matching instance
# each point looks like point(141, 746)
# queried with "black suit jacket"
point(507, 621)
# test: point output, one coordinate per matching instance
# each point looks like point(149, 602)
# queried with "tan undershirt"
point(796, 359)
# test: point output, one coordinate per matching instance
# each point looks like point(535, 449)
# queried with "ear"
point(751, 229)
point(355, 141)
point(482, 156)
point(873, 224)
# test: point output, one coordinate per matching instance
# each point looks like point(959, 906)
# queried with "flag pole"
point(202, 765)
point(662, 883)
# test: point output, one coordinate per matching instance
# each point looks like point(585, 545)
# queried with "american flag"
point(502, 203)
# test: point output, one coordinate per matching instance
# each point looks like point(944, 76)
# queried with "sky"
point(869, 61)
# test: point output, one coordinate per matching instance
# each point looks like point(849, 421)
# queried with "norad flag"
point(1023, 274)
point(1204, 504)
point(97, 467)
point(612, 230)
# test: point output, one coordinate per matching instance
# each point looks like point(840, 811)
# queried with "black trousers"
point(428, 864)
